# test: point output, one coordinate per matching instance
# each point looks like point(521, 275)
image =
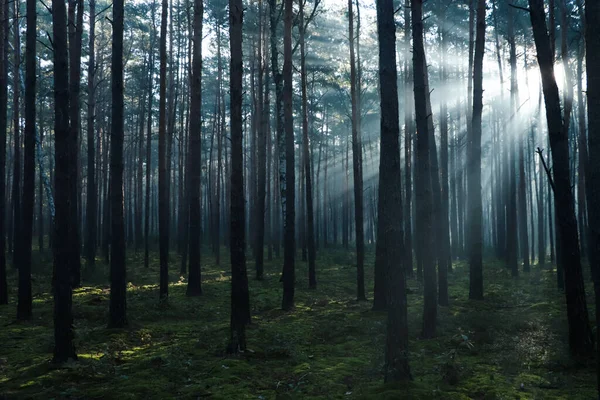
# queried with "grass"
point(512, 345)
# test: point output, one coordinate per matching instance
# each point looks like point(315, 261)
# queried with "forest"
point(280, 199)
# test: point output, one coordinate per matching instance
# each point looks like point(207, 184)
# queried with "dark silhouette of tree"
point(163, 173)
point(63, 293)
point(389, 254)
point(580, 335)
point(240, 301)
point(475, 217)
point(289, 256)
point(118, 283)
point(3, 126)
point(25, 299)
point(194, 282)
point(75, 31)
point(357, 165)
point(92, 197)
point(310, 219)
point(423, 185)
point(592, 61)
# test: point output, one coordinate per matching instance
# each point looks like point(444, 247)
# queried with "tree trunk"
point(390, 244)
point(16, 183)
point(63, 294)
point(357, 165)
point(92, 199)
point(580, 334)
point(163, 175)
point(474, 166)
point(592, 38)
point(118, 282)
point(75, 39)
point(3, 123)
point(25, 299)
point(290, 173)
point(423, 189)
point(194, 287)
point(240, 302)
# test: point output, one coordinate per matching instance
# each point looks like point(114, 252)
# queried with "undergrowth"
point(512, 345)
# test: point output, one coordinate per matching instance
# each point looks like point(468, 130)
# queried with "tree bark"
point(240, 302)
point(163, 168)
point(194, 287)
point(64, 348)
point(290, 173)
point(580, 334)
point(474, 166)
point(118, 283)
point(389, 253)
point(25, 299)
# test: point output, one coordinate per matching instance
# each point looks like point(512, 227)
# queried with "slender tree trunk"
point(118, 282)
point(195, 153)
point(163, 168)
point(3, 126)
point(580, 334)
point(147, 208)
point(389, 252)
point(423, 189)
point(474, 166)
point(357, 165)
point(64, 348)
point(261, 143)
point(75, 39)
point(16, 183)
point(92, 198)
point(592, 38)
point(240, 302)
point(290, 173)
point(25, 299)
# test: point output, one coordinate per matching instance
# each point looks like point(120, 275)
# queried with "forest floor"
point(512, 345)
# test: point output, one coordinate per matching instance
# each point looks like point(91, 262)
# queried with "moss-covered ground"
point(512, 345)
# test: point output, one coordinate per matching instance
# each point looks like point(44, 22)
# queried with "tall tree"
point(356, 165)
point(592, 41)
point(310, 218)
point(261, 153)
point(16, 183)
point(3, 123)
point(240, 301)
point(580, 334)
point(25, 299)
point(194, 282)
point(389, 253)
point(64, 348)
point(75, 31)
point(163, 176)
point(118, 283)
point(475, 208)
point(423, 188)
point(289, 255)
point(92, 200)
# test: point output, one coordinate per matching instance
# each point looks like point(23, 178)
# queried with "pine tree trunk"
point(3, 123)
point(240, 303)
point(118, 282)
point(475, 217)
point(92, 198)
point(580, 334)
point(75, 13)
point(64, 348)
point(390, 244)
point(163, 168)
point(290, 173)
point(194, 287)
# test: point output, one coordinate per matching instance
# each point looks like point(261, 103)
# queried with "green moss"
point(330, 346)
